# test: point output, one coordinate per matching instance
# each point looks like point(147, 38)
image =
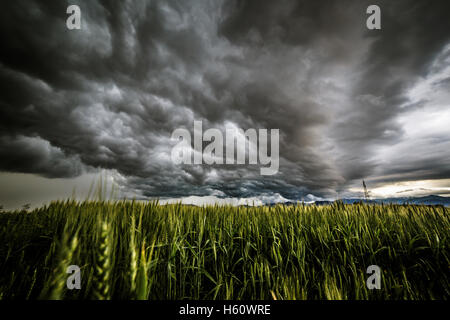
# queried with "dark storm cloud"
point(33, 155)
point(110, 95)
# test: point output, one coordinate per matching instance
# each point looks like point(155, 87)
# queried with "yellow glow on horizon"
point(408, 188)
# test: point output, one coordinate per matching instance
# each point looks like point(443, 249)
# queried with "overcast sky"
point(350, 103)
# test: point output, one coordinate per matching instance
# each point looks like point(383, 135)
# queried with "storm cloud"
point(346, 99)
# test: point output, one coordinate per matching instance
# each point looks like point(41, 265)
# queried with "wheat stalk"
point(133, 256)
point(103, 265)
point(55, 291)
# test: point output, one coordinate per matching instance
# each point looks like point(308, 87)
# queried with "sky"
point(350, 103)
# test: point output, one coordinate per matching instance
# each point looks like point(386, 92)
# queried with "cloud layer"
point(346, 99)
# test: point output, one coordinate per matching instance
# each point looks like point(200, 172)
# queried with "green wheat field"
point(144, 250)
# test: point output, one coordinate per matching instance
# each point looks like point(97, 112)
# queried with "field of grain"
point(137, 250)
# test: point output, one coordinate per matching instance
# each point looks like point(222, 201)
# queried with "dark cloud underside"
point(110, 95)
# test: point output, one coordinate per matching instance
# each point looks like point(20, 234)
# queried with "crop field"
point(144, 250)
